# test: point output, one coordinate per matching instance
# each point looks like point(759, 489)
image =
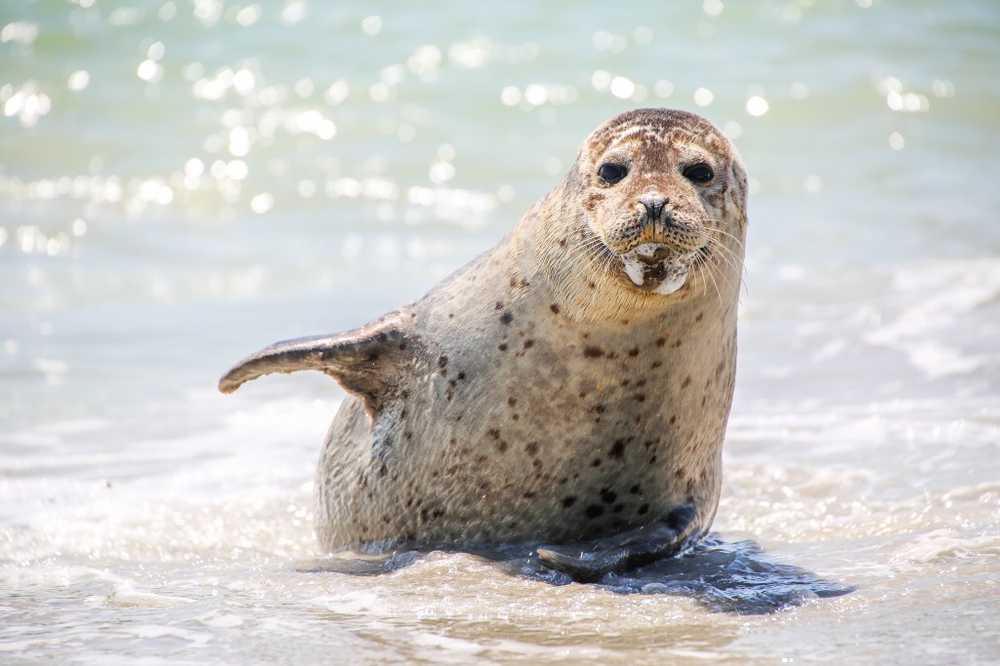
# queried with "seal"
point(570, 387)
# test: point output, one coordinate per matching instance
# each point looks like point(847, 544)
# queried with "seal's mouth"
point(654, 268)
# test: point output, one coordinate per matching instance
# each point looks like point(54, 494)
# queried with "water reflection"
point(722, 576)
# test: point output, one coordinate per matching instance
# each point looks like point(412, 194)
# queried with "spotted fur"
point(537, 394)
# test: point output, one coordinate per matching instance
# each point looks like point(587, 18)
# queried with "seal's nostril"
point(654, 204)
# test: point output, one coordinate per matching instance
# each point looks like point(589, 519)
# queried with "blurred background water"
point(182, 182)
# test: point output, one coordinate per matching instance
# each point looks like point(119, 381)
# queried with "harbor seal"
point(570, 386)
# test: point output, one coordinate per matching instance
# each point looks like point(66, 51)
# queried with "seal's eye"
point(699, 173)
point(611, 173)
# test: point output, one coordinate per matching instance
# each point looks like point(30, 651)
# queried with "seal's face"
point(658, 188)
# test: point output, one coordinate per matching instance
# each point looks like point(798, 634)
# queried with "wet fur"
point(539, 396)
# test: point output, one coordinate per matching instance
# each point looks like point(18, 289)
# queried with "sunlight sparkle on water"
point(622, 87)
point(371, 25)
point(78, 80)
point(757, 105)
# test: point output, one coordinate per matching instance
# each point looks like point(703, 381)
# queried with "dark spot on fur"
point(502, 346)
point(554, 308)
point(596, 462)
point(594, 511)
point(656, 364)
point(506, 318)
point(528, 344)
point(680, 517)
point(531, 448)
point(590, 203)
point(634, 351)
point(593, 352)
point(634, 490)
point(661, 341)
point(639, 397)
point(528, 495)
point(617, 449)
point(608, 496)
point(499, 306)
point(643, 509)
point(701, 315)
point(502, 446)
point(512, 401)
point(673, 419)
point(568, 501)
point(494, 433)
point(461, 375)
point(686, 382)
point(592, 285)
point(402, 346)
point(617, 508)
point(443, 362)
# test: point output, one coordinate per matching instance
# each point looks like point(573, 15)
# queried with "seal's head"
point(659, 192)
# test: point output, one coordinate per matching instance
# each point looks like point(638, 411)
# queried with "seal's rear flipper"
point(367, 361)
point(353, 564)
point(589, 562)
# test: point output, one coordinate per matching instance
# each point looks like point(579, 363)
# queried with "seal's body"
point(572, 383)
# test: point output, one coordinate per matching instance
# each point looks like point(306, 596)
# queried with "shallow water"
point(181, 183)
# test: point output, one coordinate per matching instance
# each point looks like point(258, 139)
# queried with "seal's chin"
point(653, 268)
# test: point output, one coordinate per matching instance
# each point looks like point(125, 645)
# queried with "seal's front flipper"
point(367, 361)
point(589, 562)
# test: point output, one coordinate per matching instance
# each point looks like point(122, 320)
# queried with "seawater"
point(182, 182)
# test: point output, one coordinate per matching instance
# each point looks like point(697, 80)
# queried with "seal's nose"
point(654, 204)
